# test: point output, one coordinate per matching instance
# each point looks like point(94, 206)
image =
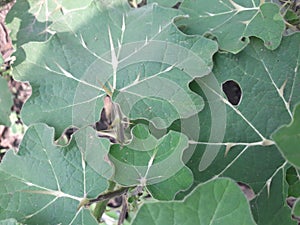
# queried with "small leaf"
point(216, 202)
point(6, 102)
point(44, 178)
point(287, 139)
point(155, 162)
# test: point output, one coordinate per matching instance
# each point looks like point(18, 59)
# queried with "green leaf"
point(44, 178)
point(217, 202)
point(157, 163)
point(287, 139)
point(6, 102)
point(148, 68)
point(233, 22)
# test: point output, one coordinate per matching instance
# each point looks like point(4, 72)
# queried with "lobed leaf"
point(242, 148)
point(217, 202)
point(29, 20)
point(151, 162)
point(44, 178)
point(149, 67)
point(232, 22)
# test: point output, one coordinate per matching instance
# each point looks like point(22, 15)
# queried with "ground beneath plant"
point(20, 91)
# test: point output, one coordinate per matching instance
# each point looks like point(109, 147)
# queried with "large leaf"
point(44, 178)
point(148, 68)
point(5, 102)
point(288, 139)
point(216, 202)
point(270, 92)
point(232, 22)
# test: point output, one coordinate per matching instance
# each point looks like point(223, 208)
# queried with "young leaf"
point(44, 178)
point(153, 162)
point(217, 202)
point(148, 67)
point(233, 22)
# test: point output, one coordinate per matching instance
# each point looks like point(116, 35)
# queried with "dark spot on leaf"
point(182, 27)
point(268, 43)
point(232, 91)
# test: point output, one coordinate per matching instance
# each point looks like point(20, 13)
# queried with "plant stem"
point(103, 199)
point(101, 204)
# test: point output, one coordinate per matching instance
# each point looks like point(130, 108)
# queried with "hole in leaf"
point(65, 138)
point(232, 91)
point(177, 5)
point(249, 193)
point(243, 39)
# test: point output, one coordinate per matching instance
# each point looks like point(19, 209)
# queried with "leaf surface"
point(44, 178)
